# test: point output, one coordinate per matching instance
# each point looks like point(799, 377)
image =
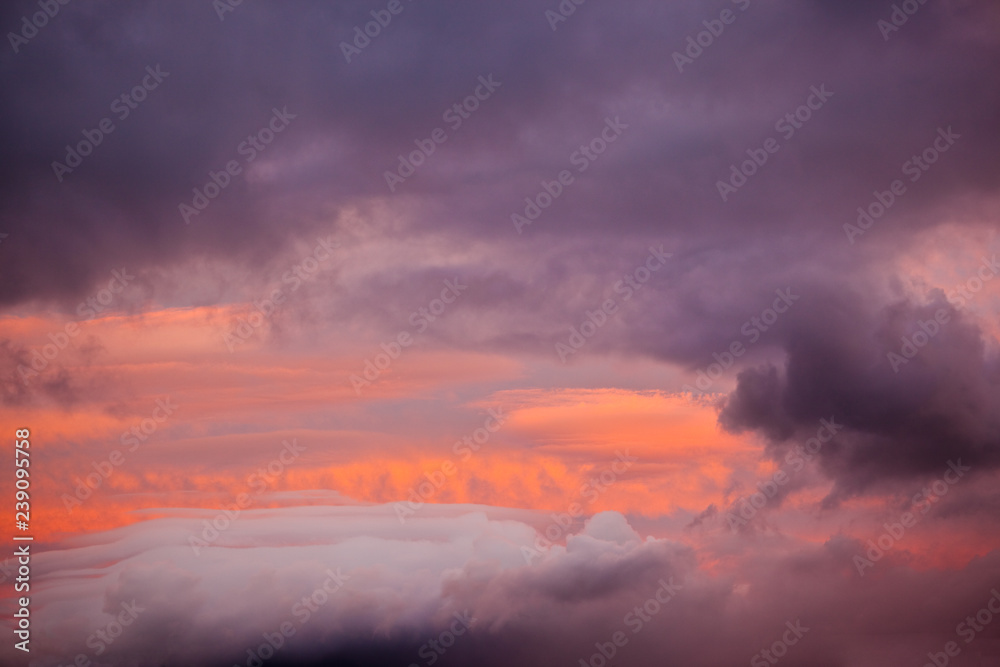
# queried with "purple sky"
point(796, 198)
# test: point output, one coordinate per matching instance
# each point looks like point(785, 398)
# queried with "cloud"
point(354, 119)
point(940, 405)
point(392, 589)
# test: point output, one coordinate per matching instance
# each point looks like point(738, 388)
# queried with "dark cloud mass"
point(902, 416)
point(353, 119)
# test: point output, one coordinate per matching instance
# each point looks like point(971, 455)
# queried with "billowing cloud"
point(455, 584)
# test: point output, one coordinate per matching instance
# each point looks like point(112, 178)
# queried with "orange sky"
point(233, 411)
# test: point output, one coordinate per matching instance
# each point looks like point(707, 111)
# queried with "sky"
point(583, 333)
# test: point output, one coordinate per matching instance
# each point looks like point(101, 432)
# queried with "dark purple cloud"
point(353, 119)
